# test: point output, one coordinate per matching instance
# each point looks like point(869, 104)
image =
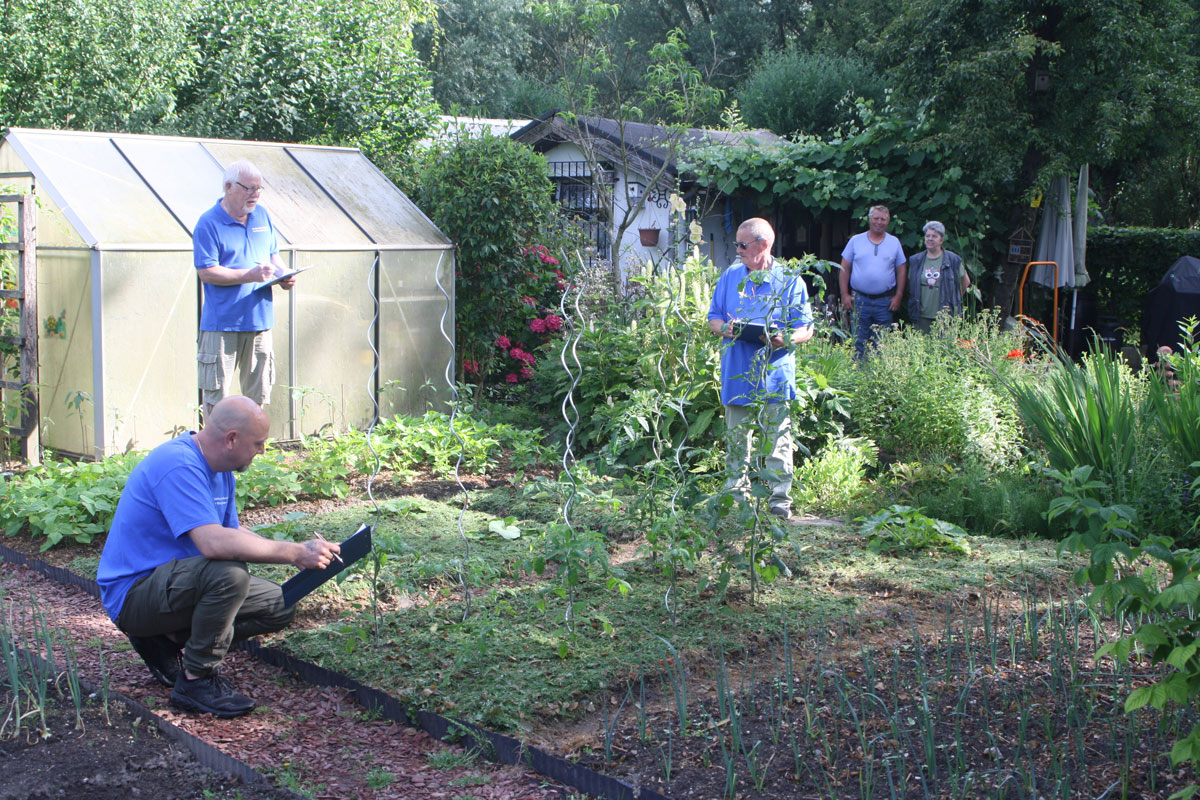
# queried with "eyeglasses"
point(250, 191)
point(744, 245)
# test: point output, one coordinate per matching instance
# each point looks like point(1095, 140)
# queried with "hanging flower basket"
point(649, 236)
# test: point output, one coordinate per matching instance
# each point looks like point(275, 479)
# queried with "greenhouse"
point(118, 300)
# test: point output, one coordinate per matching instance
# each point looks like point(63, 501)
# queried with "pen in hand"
point(323, 539)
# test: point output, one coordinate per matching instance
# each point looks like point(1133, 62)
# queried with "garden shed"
point(118, 299)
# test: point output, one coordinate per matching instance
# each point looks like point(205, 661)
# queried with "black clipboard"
point(305, 581)
point(750, 333)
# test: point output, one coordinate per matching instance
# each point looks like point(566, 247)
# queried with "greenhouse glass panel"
point(299, 209)
point(369, 197)
point(413, 351)
point(65, 351)
point(148, 303)
point(98, 186)
point(334, 308)
point(180, 171)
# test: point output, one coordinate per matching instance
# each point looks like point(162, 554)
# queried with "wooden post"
point(30, 407)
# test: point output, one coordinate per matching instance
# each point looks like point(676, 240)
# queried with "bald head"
point(237, 413)
point(755, 227)
point(235, 432)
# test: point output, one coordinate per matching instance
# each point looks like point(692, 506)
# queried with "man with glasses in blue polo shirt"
point(872, 279)
point(236, 253)
point(758, 377)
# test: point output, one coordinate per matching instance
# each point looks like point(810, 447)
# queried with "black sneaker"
point(161, 656)
point(211, 694)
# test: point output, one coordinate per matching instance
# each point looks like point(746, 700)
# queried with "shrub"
point(493, 197)
point(833, 479)
point(982, 500)
point(939, 396)
point(1126, 263)
point(795, 91)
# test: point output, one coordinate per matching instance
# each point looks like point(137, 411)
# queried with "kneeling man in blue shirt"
point(173, 571)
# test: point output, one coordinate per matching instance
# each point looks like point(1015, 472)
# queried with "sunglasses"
point(744, 245)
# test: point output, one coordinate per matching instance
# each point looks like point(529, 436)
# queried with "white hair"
point(239, 169)
point(935, 226)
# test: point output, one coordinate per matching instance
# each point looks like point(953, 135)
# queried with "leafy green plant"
point(903, 529)
point(1084, 414)
point(64, 500)
point(833, 479)
point(940, 397)
point(1174, 394)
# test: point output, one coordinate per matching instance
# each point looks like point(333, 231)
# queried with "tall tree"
point(1031, 87)
point(310, 71)
point(475, 50)
point(92, 64)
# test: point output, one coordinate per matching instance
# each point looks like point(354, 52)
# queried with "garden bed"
point(862, 676)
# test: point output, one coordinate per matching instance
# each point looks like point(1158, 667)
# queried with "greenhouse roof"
point(123, 191)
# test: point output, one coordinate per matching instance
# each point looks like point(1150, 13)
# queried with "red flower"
point(552, 322)
point(551, 260)
point(470, 366)
point(529, 301)
point(12, 302)
point(537, 325)
point(526, 373)
point(1015, 353)
point(511, 377)
point(503, 342)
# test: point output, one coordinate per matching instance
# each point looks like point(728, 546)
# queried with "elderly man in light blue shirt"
point(758, 378)
point(872, 279)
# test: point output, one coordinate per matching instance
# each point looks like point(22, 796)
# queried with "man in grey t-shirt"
point(872, 279)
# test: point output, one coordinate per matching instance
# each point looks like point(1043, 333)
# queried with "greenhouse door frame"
point(25, 293)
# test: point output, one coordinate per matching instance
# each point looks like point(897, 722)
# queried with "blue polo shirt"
point(750, 371)
point(168, 494)
point(873, 266)
point(221, 241)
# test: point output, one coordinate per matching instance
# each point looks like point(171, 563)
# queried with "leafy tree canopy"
point(796, 91)
point(311, 72)
point(92, 65)
point(1026, 84)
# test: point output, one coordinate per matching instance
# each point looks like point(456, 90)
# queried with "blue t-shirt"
point(169, 493)
point(873, 266)
point(221, 241)
point(756, 372)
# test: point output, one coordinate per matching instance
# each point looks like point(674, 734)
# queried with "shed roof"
point(124, 191)
point(655, 145)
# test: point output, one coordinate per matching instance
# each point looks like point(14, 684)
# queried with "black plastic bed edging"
point(206, 755)
point(491, 745)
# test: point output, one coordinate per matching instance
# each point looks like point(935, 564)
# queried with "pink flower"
point(529, 301)
point(537, 325)
point(551, 260)
point(552, 322)
point(526, 373)
point(470, 366)
point(511, 377)
point(517, 353)
point(503, 342)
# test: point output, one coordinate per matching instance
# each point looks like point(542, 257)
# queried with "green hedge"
point(1126, 263)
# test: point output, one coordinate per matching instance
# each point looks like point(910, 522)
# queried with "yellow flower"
point(695, 232)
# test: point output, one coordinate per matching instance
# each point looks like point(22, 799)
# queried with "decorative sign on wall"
point(56, 327)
